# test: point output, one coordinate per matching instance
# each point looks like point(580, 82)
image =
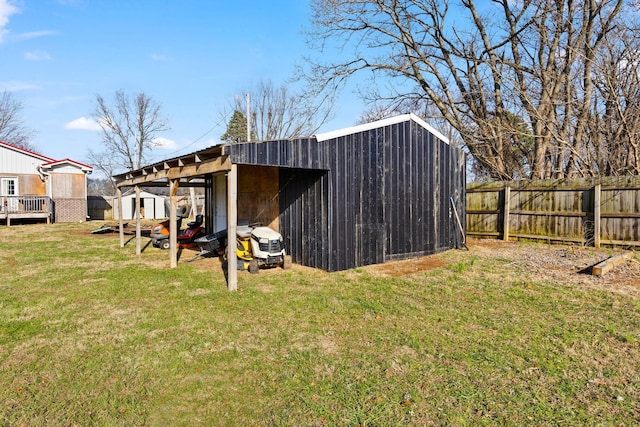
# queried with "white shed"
point(152, 206)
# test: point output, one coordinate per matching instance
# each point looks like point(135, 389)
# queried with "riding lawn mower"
point(185, 238)
point(256, 247)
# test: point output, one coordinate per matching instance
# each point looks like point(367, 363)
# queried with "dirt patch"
point(407, 266)
point(564, 264)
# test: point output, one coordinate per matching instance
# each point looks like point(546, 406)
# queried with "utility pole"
point(248, 117)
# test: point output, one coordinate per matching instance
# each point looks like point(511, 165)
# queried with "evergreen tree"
point(236, 129)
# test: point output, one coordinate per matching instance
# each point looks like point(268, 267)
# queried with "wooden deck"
point(24, 207)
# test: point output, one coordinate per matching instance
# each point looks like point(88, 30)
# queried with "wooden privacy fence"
point(593, 212)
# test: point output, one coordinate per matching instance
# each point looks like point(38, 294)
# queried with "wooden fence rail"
point(592, 212)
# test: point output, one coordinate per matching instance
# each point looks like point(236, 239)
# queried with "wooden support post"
point(120, 220)
point(506, 208)
point(173, 223)
point(232, 224)
point(194, 206)
point(138, 251)
point(597, 197)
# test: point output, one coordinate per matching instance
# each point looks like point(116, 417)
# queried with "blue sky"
point(192, 56)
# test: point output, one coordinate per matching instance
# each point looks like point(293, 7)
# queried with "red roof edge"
point(49, 161)
point(67, 160)
point(22, 150)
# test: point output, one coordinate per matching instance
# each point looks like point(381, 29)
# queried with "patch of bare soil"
point(407, 266)
point(564, 264)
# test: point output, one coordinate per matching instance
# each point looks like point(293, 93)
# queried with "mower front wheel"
point(165, 244)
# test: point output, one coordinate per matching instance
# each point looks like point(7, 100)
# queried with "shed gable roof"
point(378, 124)
point(55, 163)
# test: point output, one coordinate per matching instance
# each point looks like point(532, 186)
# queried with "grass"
point(91, 334)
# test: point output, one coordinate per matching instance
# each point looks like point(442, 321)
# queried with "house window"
point(8, 186)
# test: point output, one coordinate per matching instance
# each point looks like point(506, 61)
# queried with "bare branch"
point(12, 128)
point(129, 127)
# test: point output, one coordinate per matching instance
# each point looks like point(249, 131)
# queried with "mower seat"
point(197, 223)
point(244, 231)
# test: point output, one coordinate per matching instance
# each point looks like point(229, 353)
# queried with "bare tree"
point(129, 128)
point(12, 128)
point(278, 112)
point(614, 125)
point(515, 79)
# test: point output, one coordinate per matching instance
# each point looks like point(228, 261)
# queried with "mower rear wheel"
point(253, 266)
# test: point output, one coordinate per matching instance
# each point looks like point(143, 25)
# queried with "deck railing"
point(24, 204)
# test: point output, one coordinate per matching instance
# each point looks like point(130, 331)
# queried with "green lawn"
point(91, 334)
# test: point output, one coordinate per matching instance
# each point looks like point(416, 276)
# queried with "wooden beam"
point(173, 223)
point(219, 164)
point(138, 246)
point(232, 224)
point(120, 220)
point(608, 264)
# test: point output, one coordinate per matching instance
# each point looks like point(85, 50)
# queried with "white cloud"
point(37, 56)
point(83, 123)
point(165, 144)
point(6, 10)
point(34, 34)
point(15, 86)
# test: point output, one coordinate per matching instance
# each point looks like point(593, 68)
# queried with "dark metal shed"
point(386, 190)
point(366, 194)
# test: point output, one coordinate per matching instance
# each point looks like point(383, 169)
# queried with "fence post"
point(505, 210)
point(597, 190)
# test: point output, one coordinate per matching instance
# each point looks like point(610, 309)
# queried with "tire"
point(286, 262)
point(165, 244)
point(253, 266)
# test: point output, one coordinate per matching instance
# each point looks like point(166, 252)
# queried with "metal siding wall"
point(423, 172)
point(13, 162)
point(342, 227)
point(303, 224)
point(430, 193)
point(370, 221)
point(446, 203)
point(381, 194)
point(391, 178)
point(419, 182)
